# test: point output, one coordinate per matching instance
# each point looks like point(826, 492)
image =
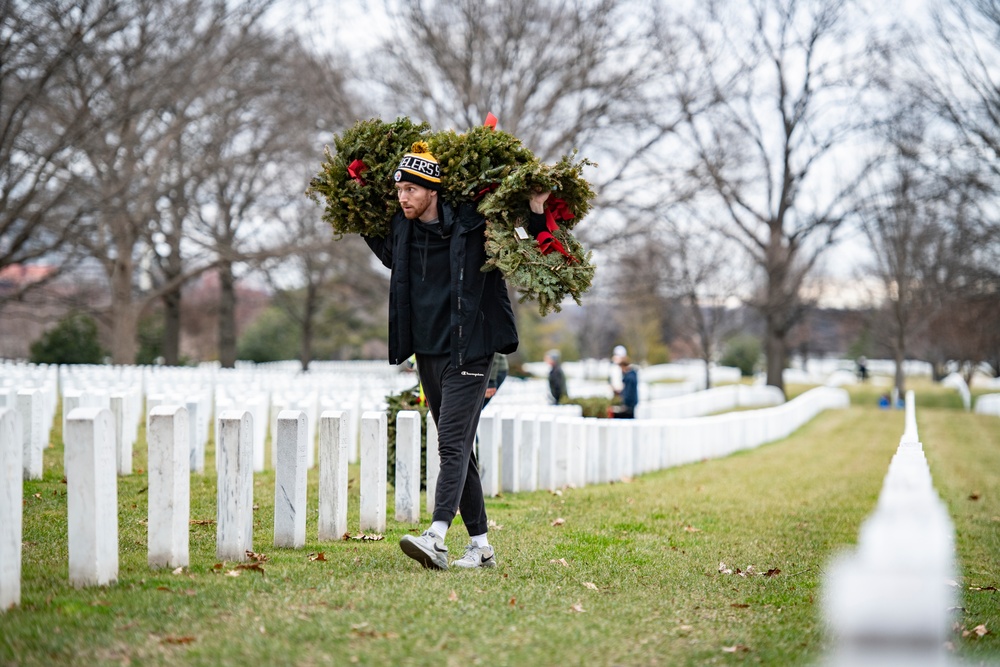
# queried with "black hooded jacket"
point(482, 321)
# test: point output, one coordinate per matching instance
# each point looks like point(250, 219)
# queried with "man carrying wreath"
point(453, 317)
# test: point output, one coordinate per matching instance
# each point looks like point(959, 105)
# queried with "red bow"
point(555, 209)
point(491, 120)
point(355, 169)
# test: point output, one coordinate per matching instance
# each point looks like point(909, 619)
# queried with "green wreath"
point(488, 167)
point(355, 181)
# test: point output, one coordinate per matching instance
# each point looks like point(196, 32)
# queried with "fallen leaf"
point(453, 597)
point(740, 605)
point(558, 522)
point(317, 556)
point(232, 573)
point(750, 570)
point(578, 608)
point(557, 492)
point(177, 640)
point(218, 566)
point(512, 601)
point(201, 522)
point(974, 495)
point(981, 630)
point(366, 537)
point(257, 567)
point(164, 588)
point(259, 558)
point(772, 572)
point(685, 628)
point(591, 585)
point(38, 495)
point(982, 588)
point(494, 525)
point(561, 561)
point(692, 529)
point(739, 648)
point(723, 569)
point(179, 570)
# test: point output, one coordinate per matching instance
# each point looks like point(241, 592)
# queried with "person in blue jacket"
point(630, 390)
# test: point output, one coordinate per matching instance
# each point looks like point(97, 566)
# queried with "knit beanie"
point(420, 167)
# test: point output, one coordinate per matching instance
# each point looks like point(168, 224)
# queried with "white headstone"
point(334, 431)
point(92, 497)
point(31, 405)
point(123, 442)
point(374, 446)
point(510, 454)
point(528, 452)
point(546, 452)
point(196, 456)
point(489, 455)
point(433, 462)
point(169, 494)
point(290, 479)
point(234, 525)
point(408, 466)
point(11, 507)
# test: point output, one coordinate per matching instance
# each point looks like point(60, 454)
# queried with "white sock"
point(480, 541)
point(441, 528)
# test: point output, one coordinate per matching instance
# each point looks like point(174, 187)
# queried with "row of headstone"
point(717, 399)
point(92, 499)
point(517, 453)
point(525, 451)
point(888, 601)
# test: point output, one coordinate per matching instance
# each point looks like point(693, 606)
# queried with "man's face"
point(417, 201)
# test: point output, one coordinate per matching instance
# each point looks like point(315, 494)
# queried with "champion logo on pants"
point(478, 375)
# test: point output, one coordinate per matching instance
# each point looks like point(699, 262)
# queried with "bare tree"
point(319, 272)
point(706, 274)
point(772, 149)
point(43, 206)
point(952, 79)
point(138, 93)
point(901, 222)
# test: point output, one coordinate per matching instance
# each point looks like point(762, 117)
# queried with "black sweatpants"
point(455, 397)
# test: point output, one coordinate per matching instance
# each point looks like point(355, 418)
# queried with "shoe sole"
point(482, 566)
point(416, 553)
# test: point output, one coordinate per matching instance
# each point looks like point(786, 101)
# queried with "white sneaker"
point(476, 557)
point(428, 550)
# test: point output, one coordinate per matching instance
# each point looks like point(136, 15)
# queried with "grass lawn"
point(629, 577)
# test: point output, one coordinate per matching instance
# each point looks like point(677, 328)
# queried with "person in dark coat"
point(453, 317)
point(557, 379)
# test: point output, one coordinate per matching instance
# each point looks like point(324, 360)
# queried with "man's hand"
point(536, 201)
point(490, 391)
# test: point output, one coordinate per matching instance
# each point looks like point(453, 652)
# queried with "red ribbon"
point(555, 209)
point(485, 191)
point(355, 169)
point(491, 120)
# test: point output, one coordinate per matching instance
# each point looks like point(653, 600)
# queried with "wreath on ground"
point(488, 167)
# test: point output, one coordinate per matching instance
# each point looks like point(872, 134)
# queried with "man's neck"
point(431, 214)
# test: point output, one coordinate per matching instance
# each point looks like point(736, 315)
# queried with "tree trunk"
point(172, 327)
point(227, 315)
point(774, 346)
point(308, 316)
point(124, 322)
point(900, 357)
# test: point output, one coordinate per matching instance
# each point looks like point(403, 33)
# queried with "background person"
point(630, 390)
point(557, 379)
